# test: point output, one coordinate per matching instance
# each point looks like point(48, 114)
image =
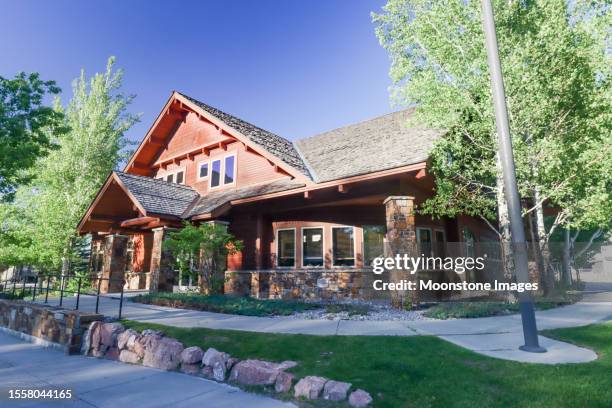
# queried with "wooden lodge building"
point(312, 214)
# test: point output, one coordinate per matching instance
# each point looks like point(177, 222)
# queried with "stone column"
point(401, 239)
point(114, 263)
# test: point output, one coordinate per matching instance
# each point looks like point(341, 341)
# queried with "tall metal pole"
point(530, 331)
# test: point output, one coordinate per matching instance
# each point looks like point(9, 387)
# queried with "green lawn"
point(424, 371)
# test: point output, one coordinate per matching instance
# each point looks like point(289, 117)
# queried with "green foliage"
point(225, 304)
point(25, 123)
point(424, 371)
point(556, 70)
point(199, 249)
point(41, 227)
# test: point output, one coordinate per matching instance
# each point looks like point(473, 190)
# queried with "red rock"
point(309, 387)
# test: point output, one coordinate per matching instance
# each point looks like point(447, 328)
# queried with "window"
point(230, 162)
point(343, 246)
point(222, 171)
point(440, 245)
point(312, 246)
point(373, 243)
point(180, 177)
point(203, 171)
point(424, 241)
point(170, 178)
point(215, 176)
point(285, 247)
point(468, 239)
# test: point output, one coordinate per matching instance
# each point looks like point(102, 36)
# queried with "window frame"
point(199, 167)
point(222, 159)
point(363, 241)
point(235, 169)
point(322, 228)
point(173, 173)
point(354, 246)
point(431, 240)
point(294, 247)
point(443, 243)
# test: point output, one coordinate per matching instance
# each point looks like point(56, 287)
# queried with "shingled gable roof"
point(158, 196)
point(273, 143)
point(213, 200)
point(378, 144)
point(163, 198)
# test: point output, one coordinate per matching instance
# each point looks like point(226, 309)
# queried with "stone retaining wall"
point(61, 327)
point(323, 284)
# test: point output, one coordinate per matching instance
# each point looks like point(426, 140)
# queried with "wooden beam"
point(222, 146)
point(138, 221)
point(306, 194)
point(421, 174)
point(343, 188)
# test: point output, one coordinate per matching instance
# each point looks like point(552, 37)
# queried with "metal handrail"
point(64, 279)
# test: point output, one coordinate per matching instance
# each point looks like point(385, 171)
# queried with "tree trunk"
point(567, 268)
point(547, 279)
point(535, 245)
point(507, 253)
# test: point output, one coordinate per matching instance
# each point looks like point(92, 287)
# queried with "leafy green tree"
point(66, 181)
point(556, 70)
point(24, 127)
point(200, 251)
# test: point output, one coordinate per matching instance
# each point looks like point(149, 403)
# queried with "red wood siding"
point(250, 167)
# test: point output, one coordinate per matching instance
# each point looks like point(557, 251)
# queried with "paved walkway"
point(498, 336)
point(104, 383)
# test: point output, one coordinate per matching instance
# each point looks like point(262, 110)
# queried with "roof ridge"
point(310, 169)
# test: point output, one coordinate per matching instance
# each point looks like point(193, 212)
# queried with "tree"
point(66, 181)
point(554, 59)
point(198, 251)
point(24, 128)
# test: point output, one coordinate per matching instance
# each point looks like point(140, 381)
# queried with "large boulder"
point(335, 390)
point(192, 355)
point(109, 333)
point(88, 337)
point(124, 337)
point(127, 356)
point(192, 369)
point(359, 399)
point(310, 387)
point(163, 353)
point(148, 340)
point(254, 372)
point(283, 382)
point(96, 338)
point(212, 356)
point(285, 365)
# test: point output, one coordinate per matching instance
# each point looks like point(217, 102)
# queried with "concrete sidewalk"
point(498, 336)
point(104, 383)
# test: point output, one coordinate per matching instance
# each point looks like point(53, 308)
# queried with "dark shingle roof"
point(158, 196)
point(215, 199)
point(378, 144)
point(278, 146)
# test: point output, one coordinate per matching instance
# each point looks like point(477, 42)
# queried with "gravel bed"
point(376, 312)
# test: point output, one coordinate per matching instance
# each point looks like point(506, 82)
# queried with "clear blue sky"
point(296, 68)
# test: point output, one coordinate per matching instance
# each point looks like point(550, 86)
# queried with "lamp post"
point(530, 331)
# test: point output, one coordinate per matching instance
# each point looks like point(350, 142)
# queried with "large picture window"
point(343, 246)
point(222, 171)
point(312, 246)
point(373, 243)
point(285, 247)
